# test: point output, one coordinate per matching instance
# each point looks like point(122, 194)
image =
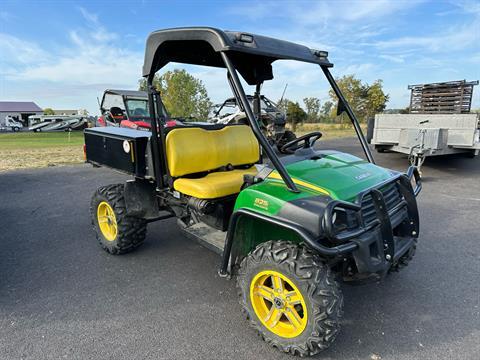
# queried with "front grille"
point(391, 195)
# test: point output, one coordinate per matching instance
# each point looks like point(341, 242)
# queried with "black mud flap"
point(140, 199)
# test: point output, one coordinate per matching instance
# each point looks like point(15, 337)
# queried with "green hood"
point(337, 175)
point(342, 175)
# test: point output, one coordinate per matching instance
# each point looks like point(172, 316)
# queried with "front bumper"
point(383, 241)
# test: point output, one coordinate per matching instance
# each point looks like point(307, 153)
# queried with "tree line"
point(186, 96)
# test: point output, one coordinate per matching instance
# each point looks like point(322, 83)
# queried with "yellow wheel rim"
point(107, 222)
point(278, 304)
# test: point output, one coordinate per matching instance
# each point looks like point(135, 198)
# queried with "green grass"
point(31, 140)
point(33, 150)
point(329, 131)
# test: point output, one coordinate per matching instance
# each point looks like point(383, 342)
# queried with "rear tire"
point(318, 309)
point(127, 233)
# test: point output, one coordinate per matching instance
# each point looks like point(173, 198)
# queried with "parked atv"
point(125, 108)
point(272, 120)
point(287, 228)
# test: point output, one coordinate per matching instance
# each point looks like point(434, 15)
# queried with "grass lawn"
point(329, 131)
point(32, 150)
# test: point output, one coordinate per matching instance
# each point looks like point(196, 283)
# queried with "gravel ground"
point(61, 296)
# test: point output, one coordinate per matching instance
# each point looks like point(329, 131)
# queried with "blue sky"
point(63, 54)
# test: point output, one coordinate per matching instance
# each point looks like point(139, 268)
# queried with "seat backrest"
point(193, 150)
point(116, 111)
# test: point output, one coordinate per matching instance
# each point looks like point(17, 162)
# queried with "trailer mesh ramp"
point(453, 97)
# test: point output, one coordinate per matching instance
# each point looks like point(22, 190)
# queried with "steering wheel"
point(307, 139)
point(139, 112)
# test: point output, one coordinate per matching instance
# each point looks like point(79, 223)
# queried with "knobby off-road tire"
point(130, 231)
point(404, 259)
point(321, 295)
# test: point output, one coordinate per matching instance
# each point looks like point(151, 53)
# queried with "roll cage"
point(125, 95)
point(245, 53)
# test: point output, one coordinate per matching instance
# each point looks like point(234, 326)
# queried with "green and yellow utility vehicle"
point(288, 227)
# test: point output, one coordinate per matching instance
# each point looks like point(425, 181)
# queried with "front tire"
point(116, 232)
point(290, 297)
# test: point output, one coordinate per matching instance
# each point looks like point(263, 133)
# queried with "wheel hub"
point(278, 304)
point(107, 222)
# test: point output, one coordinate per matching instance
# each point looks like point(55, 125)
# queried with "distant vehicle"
point(129, 109)
point(38, 123)
point(11, 124)
point(272, 119)
point(124, 108)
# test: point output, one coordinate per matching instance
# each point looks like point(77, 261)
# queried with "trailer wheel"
point(471, 154)
point(116, 232)
point(404, 259)
point(290, 297)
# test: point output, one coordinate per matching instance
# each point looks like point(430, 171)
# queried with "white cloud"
point(455, 38)
point(319, 13)
point(90, 61)
point(17, 51)
point(399, 59)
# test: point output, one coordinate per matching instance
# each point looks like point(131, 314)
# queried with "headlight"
point(344, 220)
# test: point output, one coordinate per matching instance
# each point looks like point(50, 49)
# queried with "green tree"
point(352, 90)
point(182, 94)
point(295, 114)
point(376, 100)
point(364, 99)
point(327, 108)
point(312, 107)
point(48, 111)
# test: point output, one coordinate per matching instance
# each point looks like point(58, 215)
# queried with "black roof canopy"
point(252, 54)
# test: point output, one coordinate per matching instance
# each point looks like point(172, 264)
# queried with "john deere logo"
point(362, 176)
point(261, 203)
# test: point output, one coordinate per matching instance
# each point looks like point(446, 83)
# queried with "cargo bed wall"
point(455, 129)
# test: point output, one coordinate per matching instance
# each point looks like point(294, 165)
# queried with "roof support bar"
point(254, 124)
point(156, 139)
point(350, 114)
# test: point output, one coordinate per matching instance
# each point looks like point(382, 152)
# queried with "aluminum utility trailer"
point(439, 123)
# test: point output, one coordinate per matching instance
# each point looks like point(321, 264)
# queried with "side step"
point(207, 236)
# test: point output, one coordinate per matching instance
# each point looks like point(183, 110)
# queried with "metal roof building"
point(19, 110)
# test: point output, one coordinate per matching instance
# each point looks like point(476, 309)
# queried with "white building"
point(18, 110)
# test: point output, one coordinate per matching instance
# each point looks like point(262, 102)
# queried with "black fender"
point(306, 237)
point(140, 199)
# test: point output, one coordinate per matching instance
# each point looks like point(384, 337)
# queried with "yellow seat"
point(214, 185)
point(196, 150)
